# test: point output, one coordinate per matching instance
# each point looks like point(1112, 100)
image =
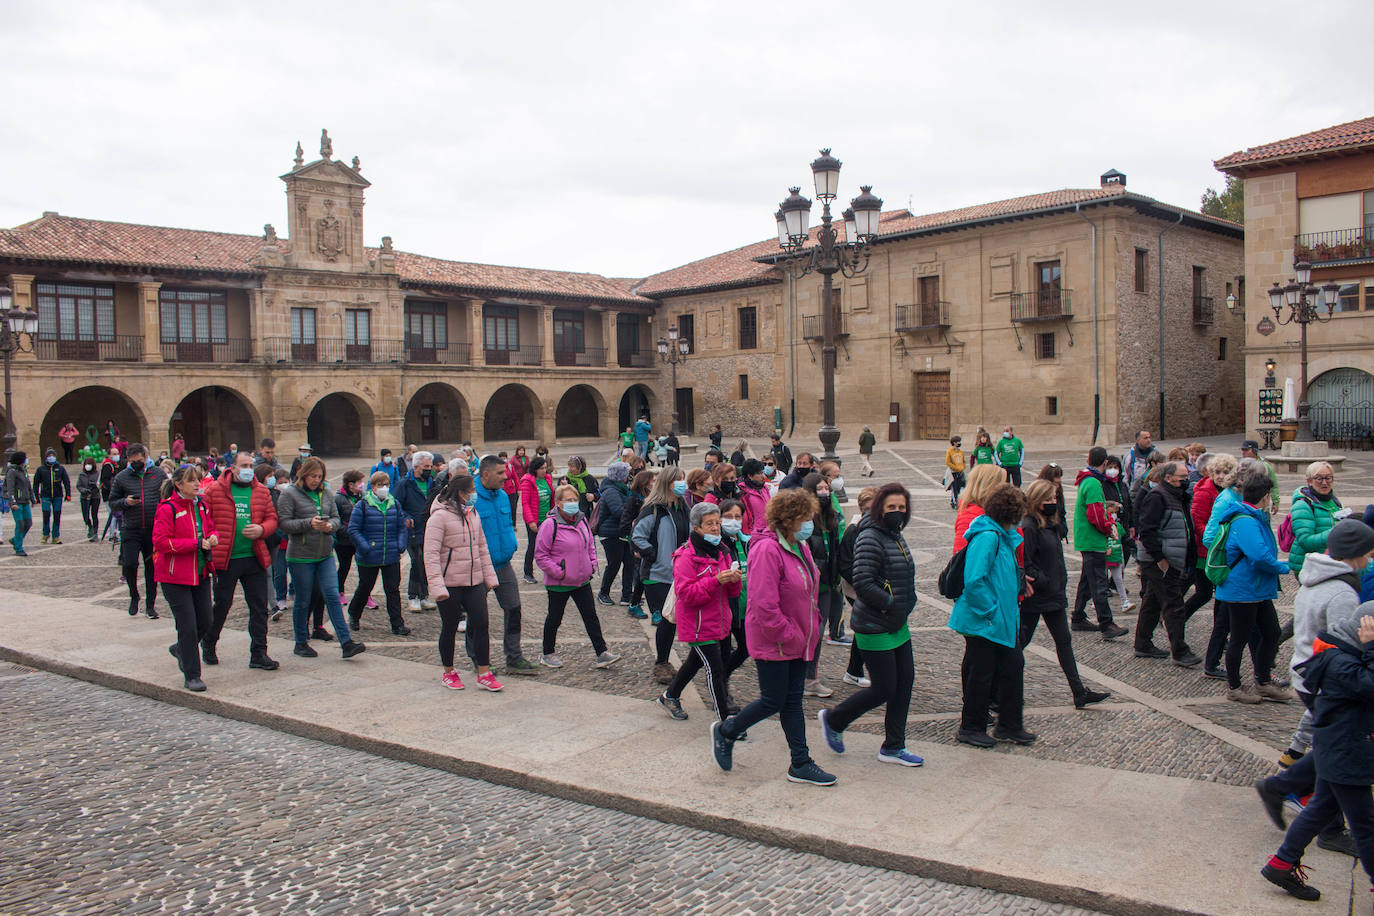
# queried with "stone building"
point(313, 336)
point(1041, 311)
point(1311, 197)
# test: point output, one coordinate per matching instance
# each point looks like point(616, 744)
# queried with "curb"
point(838, 850)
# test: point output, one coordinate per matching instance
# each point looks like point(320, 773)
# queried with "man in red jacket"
point(240, 504)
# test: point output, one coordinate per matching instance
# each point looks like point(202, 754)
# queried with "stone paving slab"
point(1108, 839)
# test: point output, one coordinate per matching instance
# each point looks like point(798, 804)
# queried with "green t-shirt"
point(982, 454)
point(243, 496)
point(627, 440)
point(881, 642)
point(423, 486)
point(545, 498)
point(1009, 452)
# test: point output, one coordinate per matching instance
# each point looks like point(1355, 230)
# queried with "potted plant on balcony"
point(1320, 252)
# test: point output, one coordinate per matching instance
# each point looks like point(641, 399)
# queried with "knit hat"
point(1349, 538)
point(618, 472)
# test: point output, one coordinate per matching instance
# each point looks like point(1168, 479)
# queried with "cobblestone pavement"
point(115, 803)
point(1145, 734)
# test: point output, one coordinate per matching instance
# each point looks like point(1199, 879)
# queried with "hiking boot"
point(833, 738)
point(57, 540)
point(664, 672)
point(263, 663)
point(655, 618)
point(1272, 801)
point(45, 539)
point(1245, 693)
point(1017, 736)
point(321, 634)
point(1341, 842)
point(1187, 660)
point(673, 706)
point(975, 738)
point(810, 774)
point(1275, 693)
point(304, 651)
point(1149, 651)
point(1112, 631)
point(352, 648)
point(1291, 877)
point(722, 748)
point(1089, 697)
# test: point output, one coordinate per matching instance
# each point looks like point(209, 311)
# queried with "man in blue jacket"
point(498, 526)
point(386, 465)
point(413, 495)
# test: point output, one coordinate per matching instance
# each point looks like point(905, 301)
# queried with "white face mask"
point(1112, 473)
point(731, 526)
point(837, 483)
point(382, 492)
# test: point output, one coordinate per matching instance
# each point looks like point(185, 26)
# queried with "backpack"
point(1286, 536)
point(952, 576)
point(1215, 566)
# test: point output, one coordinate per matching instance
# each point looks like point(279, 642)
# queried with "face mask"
point(1112, 473)
point(680, 487)
point(727, 487)
point(731, 526)
point(51, 459)
point(1048, 508)
point(894, 520)
point(114, 456)
point(425, 475)
point(386, 460)
point(569, 508)
point(89, 467)
point(471, 499)
point(712, 539)
point(837, 484)
point(769, 471)
point(245, 475)
point(806, 530)
point(382, 492)
point(270, 482)
point(822, 494)
point(137, 465)
point(1006, 434)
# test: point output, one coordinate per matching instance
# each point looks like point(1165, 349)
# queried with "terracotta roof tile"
point(420, 269)
point(1352, 134)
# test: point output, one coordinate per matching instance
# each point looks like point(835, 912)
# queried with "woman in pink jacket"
point(705, 578)
point(566, 553)
point(753, 496)
point(536, 501)
point(781, 623)
point(183, 536)
point(458, 567)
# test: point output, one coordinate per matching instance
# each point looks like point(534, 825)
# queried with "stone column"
point(257, 322)
point(475, 337)
point(22, 285)
point(151, 323)
point(546, 333)
point(609, 320)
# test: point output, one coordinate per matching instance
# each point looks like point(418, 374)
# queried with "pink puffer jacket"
point(456, 550)
point(703, 604)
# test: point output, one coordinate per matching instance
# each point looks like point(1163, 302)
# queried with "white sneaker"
point(817, 689)
point(463, 625)
point(415, 604)
point(428, 605)
point(1126, 605)
point(859, 681)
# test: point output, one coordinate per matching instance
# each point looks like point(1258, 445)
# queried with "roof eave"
point(66, 262)
point(711, 287)
point(479, 290)
point(1269, 162)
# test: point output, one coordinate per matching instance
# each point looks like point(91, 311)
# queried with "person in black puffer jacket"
point(825, 552)
point(135, 493)
point(631, 582)
point(1048, 582)
point(885, 585)
point(613, 495)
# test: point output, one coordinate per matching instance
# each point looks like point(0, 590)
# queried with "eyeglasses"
point(1323, 478)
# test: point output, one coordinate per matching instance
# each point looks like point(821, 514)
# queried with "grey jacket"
point(295, 509)
point(18, 488)
point(1329, 600)
point(661, 565)
point(1164, 529)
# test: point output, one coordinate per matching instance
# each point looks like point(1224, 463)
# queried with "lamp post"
point(1301, 298)
point(827, 257)
point(673, 350)
point(16, 322)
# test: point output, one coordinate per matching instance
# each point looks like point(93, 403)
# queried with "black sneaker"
point(605, 599)
point(133, 607)
point(811, 774)
point(1273, 803)
point(1341, 842)
point(207, 653)
point(529, 580)
point(722, 748)
point(1187, 660)
point(195, 684)
point(672, 706)
point(304, 651)
point(152, 613)
point(321, 634)
point(1084, 626)
point(1017, 736)
point(1089, 697)
point(1112, 631)
point(402, 630)
point(1150, 651)
point(355, 623)
point(263, 662)
point(1292, 878)
point(352, 648)
point(175, 652)
point(1216, 674)
point(975, 738)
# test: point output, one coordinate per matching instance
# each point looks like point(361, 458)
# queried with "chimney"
point(1112, 178)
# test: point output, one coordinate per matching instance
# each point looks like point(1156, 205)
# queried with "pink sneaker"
point(453, 682)
point(488, 681)
point(372, 604)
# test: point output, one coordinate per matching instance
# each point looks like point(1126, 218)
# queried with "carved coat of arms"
point(329, 234)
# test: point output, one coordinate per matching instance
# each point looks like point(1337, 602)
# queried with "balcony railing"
point(813, 326)
point(524, 356)
point(1202, 310)
point(120, 348)
point(635, 359)
point(331, 350)
point(458, 353)
point(923, 316)
point(230, 350)
point(587, 356)
point(1336, 245)
point(1041, 305)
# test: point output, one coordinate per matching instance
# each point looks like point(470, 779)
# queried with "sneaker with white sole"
point(605, 659)
point(903, 757)
point(833, 738)
point(488, 681)
point(811, 774)
point(551, 661)
point(845, 640)
point(859, 681)
point(817, 688)
point(413, 604)
point(452, 681)
point(427, 605)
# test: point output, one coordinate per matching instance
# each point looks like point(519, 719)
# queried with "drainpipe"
point(1097, 374)
point(791, 358)
point(1161, 322)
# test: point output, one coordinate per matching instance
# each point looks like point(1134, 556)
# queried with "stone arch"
point(340, 423)
point(215, 415)
point(579, 413)
point(437, 412)
point(637, 400)
point(93, 405)
point(1341, 404)
point(512, 414)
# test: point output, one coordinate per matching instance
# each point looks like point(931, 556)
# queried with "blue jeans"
point(780, 692)
point(23, 521)
point(52, 508)
point(279, 574)
point(304, 577)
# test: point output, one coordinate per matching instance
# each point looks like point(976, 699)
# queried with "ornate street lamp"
point(1302, 298)
point(673, 350)
point(828, 256)
point(16, 322)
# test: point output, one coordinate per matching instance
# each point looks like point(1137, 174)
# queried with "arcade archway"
point(436, 413)
point(578, 414)
point(339, 424)
point(213, 416)
point(93, 406)
point(637, 401)
point(510, 414)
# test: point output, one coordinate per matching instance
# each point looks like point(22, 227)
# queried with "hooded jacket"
point(146, 487)
point(88, 483)
point(378, 532)
point(1328, 600)
point(219, 499)
point(671, 524)
point(415, 503)
point(781, 617)
point(1091, 526)
point(177, 557)
point(498, 524)
point(988, 608)
point(1342, 675)
point(884, 579)
point(390, 470)
point(456, 554)
point(51, 481)
point(565, 551)
point(18, 488)
point(703, 603)
point(1253, 554)
point(613, 497)
point(1312, 515)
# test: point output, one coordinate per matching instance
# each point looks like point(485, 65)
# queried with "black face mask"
point(137, 465)
point(727, 487)
point(425, 475)
point(1049, 508)
point(894, 520)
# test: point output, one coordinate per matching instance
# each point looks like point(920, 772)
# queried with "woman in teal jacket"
point(1314, 512)
point(988, 617)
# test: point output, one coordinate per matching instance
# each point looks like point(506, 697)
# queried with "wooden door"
point(429, 424)
point(932, 405)
point(686, 419)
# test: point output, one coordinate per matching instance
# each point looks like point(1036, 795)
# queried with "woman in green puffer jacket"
point(1315, 510)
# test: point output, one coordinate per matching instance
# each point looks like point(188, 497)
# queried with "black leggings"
point(193, 613)
point(1245, 616)
point(615, 554)
point(702, 656)
point(736, 649)
point(90, 514)
point(1057, 622)
point(391, 588)
point(558, 602)
point(893, 673)
point(665, 633)
point(470, 600)
point(530, 535)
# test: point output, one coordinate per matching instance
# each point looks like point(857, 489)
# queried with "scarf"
point(579, 482)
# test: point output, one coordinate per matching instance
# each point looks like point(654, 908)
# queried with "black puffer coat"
point(613, 498)
point(825, 551)
point(884, 580)
point(1044, 558)
point(146, 488)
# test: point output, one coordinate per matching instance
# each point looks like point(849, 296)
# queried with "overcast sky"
point(628, 138)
